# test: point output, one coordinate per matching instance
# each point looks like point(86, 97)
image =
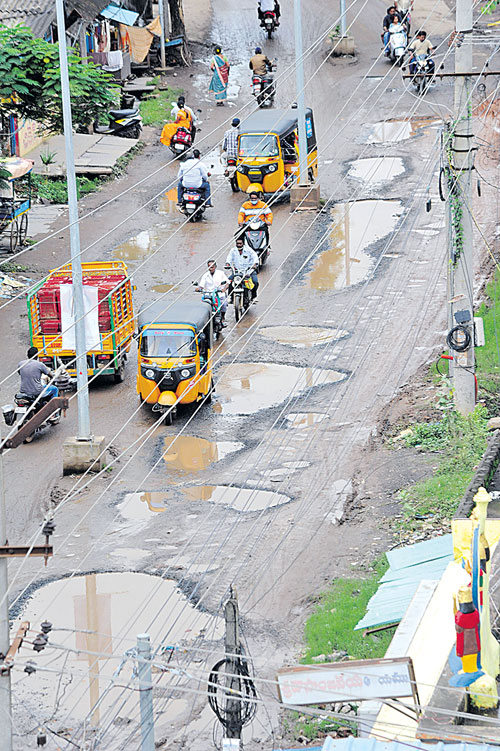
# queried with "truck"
point(115, 316)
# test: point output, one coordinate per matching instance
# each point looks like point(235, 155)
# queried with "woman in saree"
point(220, 67)
point(183, 119)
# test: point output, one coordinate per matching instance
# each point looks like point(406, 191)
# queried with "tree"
point(30, 85)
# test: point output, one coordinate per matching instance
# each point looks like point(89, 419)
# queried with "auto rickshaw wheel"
point(208, 397)
point(23, 229)
point(14, 235)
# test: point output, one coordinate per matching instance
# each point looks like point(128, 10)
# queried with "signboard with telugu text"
point(359, 680)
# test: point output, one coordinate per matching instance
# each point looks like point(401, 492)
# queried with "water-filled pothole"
point(355, 226)
point(376, 170)
point(239, 499)
point(143, 244)
point(162, 288)
point(100, 615)
point(141, 506)
point(393, 131)
point(247, 387)
point(186, 453)
point(168, 201)
point(302, 336)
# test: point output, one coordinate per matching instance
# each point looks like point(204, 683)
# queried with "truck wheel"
point(119, 375)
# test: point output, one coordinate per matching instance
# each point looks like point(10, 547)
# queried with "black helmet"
point(236, 122)
point(258, 50)
point(181, 100)
point(196, 153)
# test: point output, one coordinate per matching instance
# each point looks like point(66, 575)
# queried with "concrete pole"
point(146, 692)
point(232, 647)
point(5, 694)
point(461, 198)
point(299, 76)
point(343, 23)
point(161, 11)
point(74, 237)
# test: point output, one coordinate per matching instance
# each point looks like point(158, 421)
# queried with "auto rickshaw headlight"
point(273, 167)
point(149, 373)
point(185, 373)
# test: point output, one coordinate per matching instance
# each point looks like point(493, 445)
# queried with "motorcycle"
point(193, 204)
point(423, 73)
point(26, 406)
point(268, 23)
point(242, 292)
point(230, 173)
point(264, 89)
point(397, 43)
point(214, 299)
point(256, 237)
point(181, 142)
point(126, 123)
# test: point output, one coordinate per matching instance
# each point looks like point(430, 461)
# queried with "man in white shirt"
point(265, 6)
point(241, 258)
point(214, 279)
point(193, 174)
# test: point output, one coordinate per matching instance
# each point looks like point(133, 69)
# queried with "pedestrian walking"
point(220, 78)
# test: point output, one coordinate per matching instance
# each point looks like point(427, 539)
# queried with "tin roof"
point(38, 15)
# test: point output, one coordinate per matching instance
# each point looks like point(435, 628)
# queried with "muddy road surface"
point(247, 491)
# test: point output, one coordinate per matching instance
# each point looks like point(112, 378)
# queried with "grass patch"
point(300, 726)
point(460, 442)
point(10, 267)
point(156, 109)
point(488, 357)
point(55, 189)
point(331, 627)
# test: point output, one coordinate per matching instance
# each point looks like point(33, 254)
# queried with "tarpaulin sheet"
point(407, 568)
point(139, 38)
point(120, 15)
point(17, 166)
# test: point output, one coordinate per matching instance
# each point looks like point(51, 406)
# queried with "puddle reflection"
point(143, 244)
point(374, 170)
point(239, 499)
point(189, 454)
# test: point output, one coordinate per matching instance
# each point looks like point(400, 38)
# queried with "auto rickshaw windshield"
point(167, 343)
point(255, 145)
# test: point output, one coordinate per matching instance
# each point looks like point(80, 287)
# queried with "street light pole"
point(343, 25)
point(161, 12)
point(74, 237)
point(5, 688)
point(299, 77)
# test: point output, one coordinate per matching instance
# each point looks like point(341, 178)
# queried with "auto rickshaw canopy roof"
point(17, 166)
point(281, 122)
point(193, 313)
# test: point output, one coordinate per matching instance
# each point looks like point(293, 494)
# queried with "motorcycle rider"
point(421, 46)
point(193, 174)
point(254, 208)
point(393, 16)
point(214, 279)
point(266, 6)
point(31, 371)
point(230, 143)
point(260, 64)
point(180, 104)
point(241, 259)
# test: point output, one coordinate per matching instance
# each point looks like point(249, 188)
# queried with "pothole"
point(393, 131)
point(162, 288)
point(143, 244)
point(186, 453)
point(168, 201)
point(240, 499)
point(302, 336)
point(247, 387)
point(355, 226)
point(137, 507)
point(97, 618)
point(376, 170)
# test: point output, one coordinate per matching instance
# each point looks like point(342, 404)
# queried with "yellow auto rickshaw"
point(268, 151)
point(174, 355)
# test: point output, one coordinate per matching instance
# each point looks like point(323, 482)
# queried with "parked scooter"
point(423, 73)
point(242, 292)
point(26, 407)
point(256, 237)
point(264, 88)
point(397, 43)
point(269, 23)
point(126, 123)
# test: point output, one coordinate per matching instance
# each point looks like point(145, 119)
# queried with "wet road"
point(249, 490)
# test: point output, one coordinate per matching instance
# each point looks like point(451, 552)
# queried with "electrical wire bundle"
point(246, 696)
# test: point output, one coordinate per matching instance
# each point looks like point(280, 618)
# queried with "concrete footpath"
point(94, 154)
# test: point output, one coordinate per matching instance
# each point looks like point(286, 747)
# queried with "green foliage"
point(461, 440)
point(331, 627)
point(488, 357)
point(55, 189)
point(297, 725)
point(156, 110)
point(489, 6)
point(30, 85)
point(4, 177)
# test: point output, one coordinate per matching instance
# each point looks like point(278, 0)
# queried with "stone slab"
point(79, 456)
point(304, 197)
point(93, 153)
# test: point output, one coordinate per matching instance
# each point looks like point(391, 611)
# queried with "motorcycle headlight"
point(185, 373)
point(149, 373)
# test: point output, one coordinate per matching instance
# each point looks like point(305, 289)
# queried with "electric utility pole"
point(74, 237)
point(343, 25)
point(5, 695)
point(459, 196)
point(299, 79)
point(163, 38)
point(233, 682)
point(145, 692)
